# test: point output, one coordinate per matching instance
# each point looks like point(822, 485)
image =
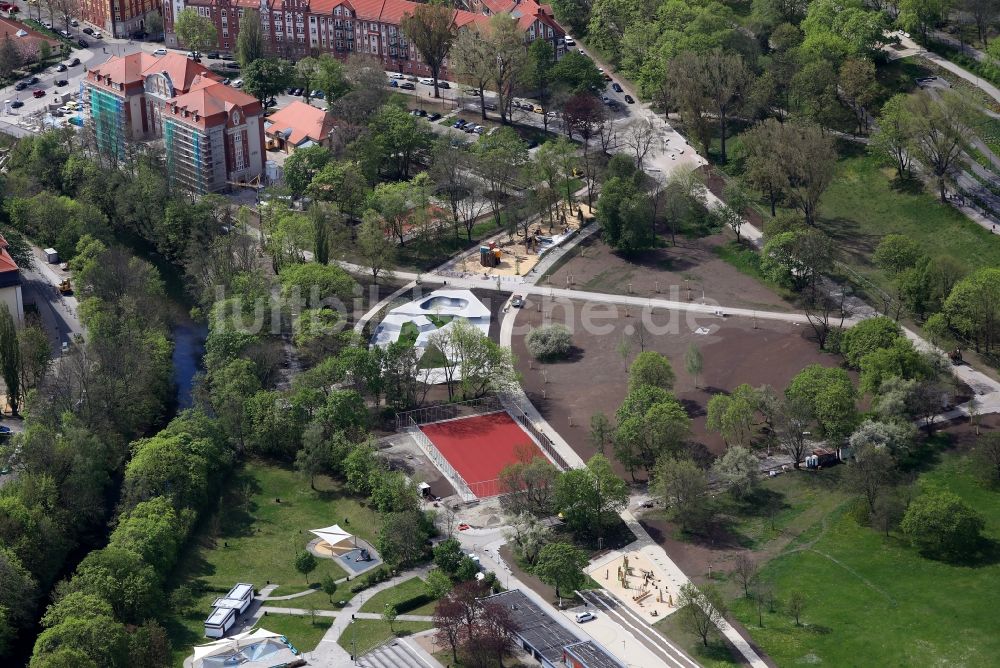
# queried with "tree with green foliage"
point(331, 78)
point(393, 141)
point(939, 128)
point(942, 525)
point(683, 488)
point(437, 583)
point(317, 282)
point(305, 563)
point(329, 586)
point(973, 308)
point(601, 431)
point(694, 362)
point(499, 158)
point(733, 415)
point(195, 31)
point(378, 250)
point(431, 30)
point(891, 140)
point(10, 359)
point(624, 213)
point(303, 165)
point(589, 496)
point(922, 15)
point(899, 360)
point(529, 485)
point(122, 578)
point(986, 455)
point(859, 88)
point(314, 456)
point(250, 39)
point(561, 565)
point(389, 614)
point(265, 78)
point(576, 73)
point(831, 396)
point(91, 640)
point(868, 336)
point(739, 470)
point(896, 253)
point(650, 368)
point(538, 77)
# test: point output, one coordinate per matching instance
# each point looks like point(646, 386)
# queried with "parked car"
point(214, 55)
point(74, 62)
point(61, 82)
point(238, 83)
point(16, 104)
point(491, 106)
point(458, 124)
point(31, 81)
point(61, 67)
point(434, 117)
point(65, 33)
point(427, 82)
point(406, 85)
point(74, 23)
point(616, 87)
point(630, 99)
point(88, 31)
point(581, 52)
point(193, 55)
point(47, 25)
point(410, 77)
point(582, 617)
point(607, 77)
point(605, 99)
point(319, 95)
point(517, 301)
point(444, 85)
point(291, 91)
point(96, 35)
point(38, 92)
point(473, 91)
point(233, 65)
point(20, 85)
point(397, 75)
point(570, 41)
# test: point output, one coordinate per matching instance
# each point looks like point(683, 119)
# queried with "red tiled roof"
point(304, 121)
point(211, 100)
point(7, 263)
point(184, 73)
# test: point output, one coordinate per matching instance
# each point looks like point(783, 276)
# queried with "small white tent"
point(331, 535)
point(260, 648)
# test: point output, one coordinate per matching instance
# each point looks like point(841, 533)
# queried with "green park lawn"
point(404, 591)
point(303, 632)
point(864, 203)
point(365, 634)
point(874, 596)
point(254, 538)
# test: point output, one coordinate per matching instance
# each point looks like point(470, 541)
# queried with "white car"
point(582, 617)
point(570, 41)
point(160, 52)
point(427, 82)
point(397, 75)
point(237, 83)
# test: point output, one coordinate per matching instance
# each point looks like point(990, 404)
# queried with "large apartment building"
point(119, 18)
point(213, 135)
point(297, 28)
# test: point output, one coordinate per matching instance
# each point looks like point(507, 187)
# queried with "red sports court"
point(479, 447)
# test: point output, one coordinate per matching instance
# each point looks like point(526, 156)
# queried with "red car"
point(38, 92)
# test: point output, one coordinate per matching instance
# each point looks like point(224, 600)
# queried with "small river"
point(189, 348)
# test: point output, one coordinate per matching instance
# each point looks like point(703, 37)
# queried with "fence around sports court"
point(410, 422)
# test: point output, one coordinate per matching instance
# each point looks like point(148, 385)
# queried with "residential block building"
point(119, 18)
point(295, 29)
point(212, 134)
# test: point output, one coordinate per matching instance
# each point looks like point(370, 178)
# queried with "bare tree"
point(639, 138)
point(826, 313)
point(745, 571)
point(700, 611)
point(791, 426)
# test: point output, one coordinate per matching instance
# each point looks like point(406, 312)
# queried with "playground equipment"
point(489, 256)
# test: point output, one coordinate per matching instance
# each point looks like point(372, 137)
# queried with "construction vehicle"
point(65, 287)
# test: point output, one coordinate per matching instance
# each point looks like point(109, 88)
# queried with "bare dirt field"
point(594, 379)
point(690, 269)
